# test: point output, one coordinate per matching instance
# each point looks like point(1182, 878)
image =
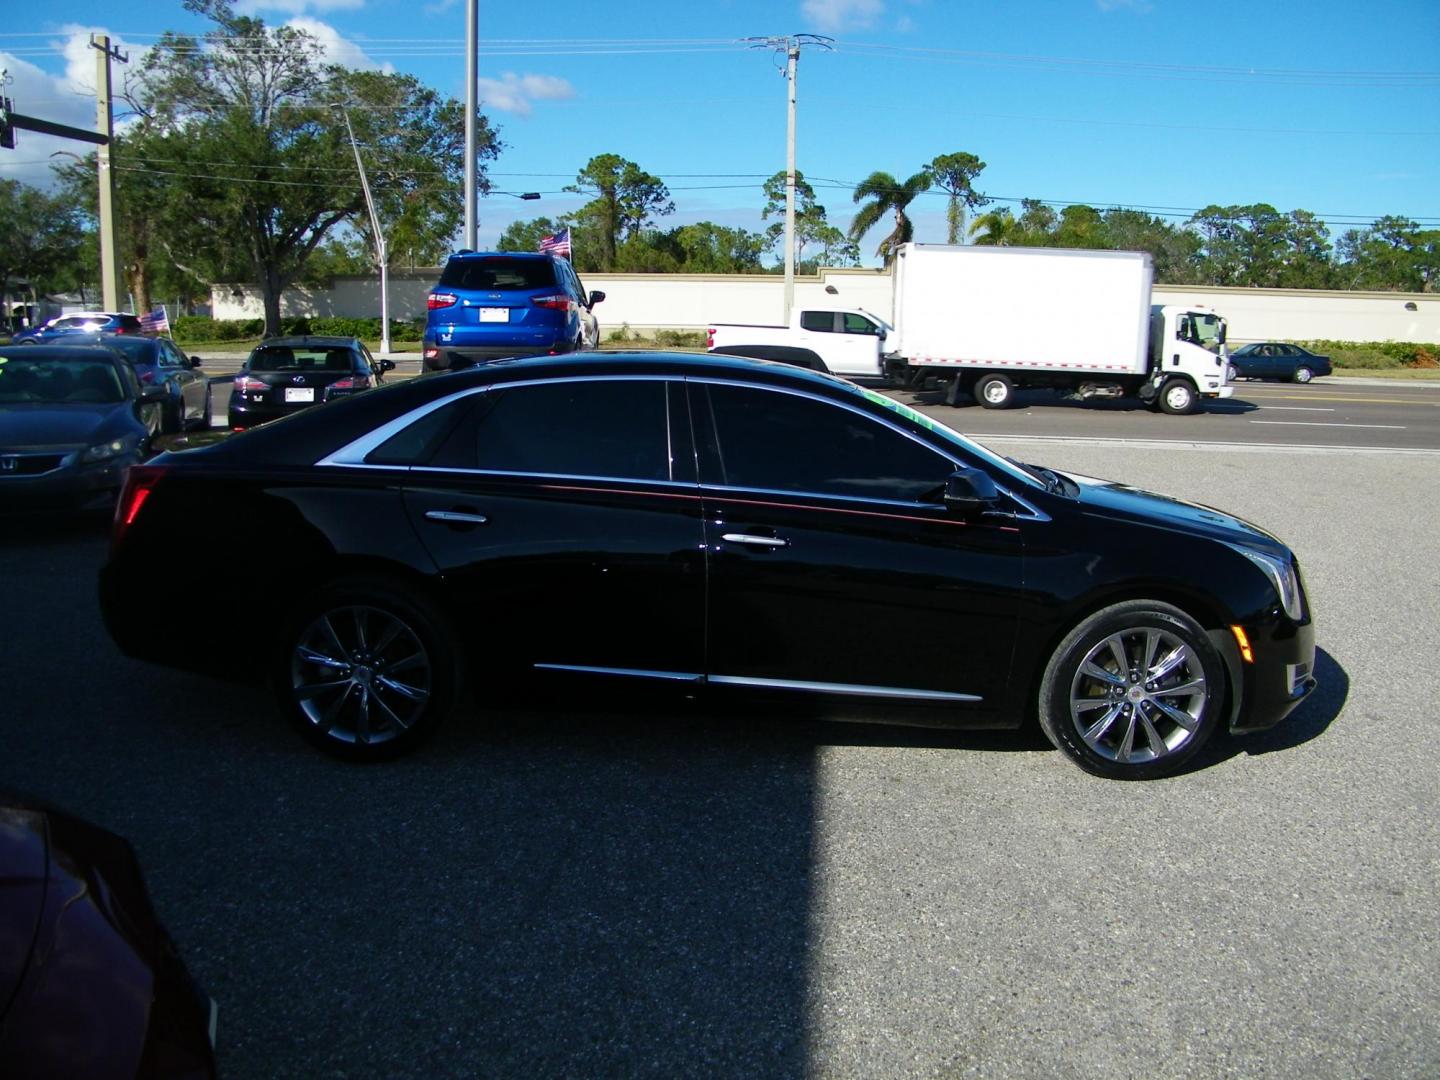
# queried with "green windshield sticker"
point(903, 410)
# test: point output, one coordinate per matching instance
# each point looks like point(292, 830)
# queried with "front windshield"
point(1207, 331)
point(952, 436)
point(27, 381)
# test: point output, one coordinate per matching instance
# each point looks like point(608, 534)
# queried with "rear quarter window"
point(498, 273)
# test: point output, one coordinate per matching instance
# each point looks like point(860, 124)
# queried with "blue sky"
point(1327, 106)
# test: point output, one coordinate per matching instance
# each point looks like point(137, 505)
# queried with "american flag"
point(559, 244)
point(155, 322)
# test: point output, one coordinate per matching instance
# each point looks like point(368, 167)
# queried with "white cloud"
point(67, 98)
point(517, 93)
point(838, 15)
point(336, 49)
point(296, 7)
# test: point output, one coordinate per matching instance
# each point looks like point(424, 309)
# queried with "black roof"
point(46, 351)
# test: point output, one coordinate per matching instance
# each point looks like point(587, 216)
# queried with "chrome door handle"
point(754, 541)
point(455, 517)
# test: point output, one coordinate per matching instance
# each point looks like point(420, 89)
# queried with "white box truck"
point(988, 320)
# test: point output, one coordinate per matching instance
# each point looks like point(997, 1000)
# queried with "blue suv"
point(490, 305)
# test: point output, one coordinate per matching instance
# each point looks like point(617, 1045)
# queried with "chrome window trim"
point(637, 673)
point(352, 455)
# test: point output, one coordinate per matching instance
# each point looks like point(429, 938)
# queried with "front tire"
point(366, 669)
point(1133, 692)
point(995, 392)
point(1178, 397)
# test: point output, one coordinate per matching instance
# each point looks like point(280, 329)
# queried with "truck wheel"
point(1178, 397)
point(995, 392)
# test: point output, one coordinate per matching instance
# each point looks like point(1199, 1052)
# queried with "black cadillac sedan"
point(721, 527)
point(284, 375)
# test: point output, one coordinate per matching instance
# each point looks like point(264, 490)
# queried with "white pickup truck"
point(848, 343)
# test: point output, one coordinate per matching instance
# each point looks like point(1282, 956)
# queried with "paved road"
point(668, 894)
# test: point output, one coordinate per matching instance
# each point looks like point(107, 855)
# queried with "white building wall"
point(691, 301)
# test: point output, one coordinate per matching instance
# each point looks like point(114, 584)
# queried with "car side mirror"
point(596, 297)
point(970, 491)
point(387, 365)
point(194, 361)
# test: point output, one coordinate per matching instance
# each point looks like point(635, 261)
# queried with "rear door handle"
point(455, 517)
point(754, 541)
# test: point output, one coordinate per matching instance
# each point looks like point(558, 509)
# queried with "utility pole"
point(380, 253)
point(105, 125)
point(472, 106)
point(792, 45)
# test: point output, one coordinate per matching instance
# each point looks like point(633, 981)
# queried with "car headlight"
point(1282, 575)
point(103, 452)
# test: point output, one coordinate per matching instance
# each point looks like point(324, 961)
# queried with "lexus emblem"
point(297, 379)
point(9, 464)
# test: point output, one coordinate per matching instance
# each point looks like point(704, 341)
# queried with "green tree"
point(626, 200)
point(256, 149)
point(1394, 253)
point(955, 175)
point(887, 195)
point(812, 227)
point(42, 235)
point(707, 248)
point(998, 228)
point(1174, 251)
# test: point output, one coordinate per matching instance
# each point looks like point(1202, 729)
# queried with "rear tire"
point(366, 669)
point(1133, 692)
point(1303, 374)
point(994, 391)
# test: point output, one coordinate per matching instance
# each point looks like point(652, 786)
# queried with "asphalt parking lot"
point(661, 893)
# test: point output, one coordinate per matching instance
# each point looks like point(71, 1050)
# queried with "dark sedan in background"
point(160, 362)
point(719, 527)
point(1278, 360)
point(285, 375)
point(90, 983)
point(72, 418)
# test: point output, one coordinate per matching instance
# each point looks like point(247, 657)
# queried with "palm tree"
point(888, 194)
point(999, 228)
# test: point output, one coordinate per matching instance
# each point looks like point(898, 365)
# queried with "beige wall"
point(690, 301)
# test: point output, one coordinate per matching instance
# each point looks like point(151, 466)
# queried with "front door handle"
point(754, 541)
point(455, 517)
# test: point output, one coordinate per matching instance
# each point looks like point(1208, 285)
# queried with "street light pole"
point(380, 253)
point(472, 106)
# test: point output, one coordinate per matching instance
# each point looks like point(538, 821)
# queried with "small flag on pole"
point(155, 322)
point(559, 244)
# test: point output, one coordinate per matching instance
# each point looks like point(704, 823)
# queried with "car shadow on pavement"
point(1309, 721)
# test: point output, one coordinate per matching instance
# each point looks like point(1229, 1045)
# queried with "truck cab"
point(848, 343)
point(1187, 349)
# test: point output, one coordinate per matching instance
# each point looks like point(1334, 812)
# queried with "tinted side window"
point(605, 428)
point(768, 439)
point(858, 324)
point(820, 321)
point(415, 444)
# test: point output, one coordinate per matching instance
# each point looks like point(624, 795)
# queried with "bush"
point(692, 339)
point(1375, 355)
point(192, 328)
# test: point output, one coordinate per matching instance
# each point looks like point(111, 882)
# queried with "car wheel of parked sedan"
point(208, 413)
point(995, 391)
point(1133, 692)
point(1178, 397)
point(1303, 374)
point(173, 422)
point(367, 670)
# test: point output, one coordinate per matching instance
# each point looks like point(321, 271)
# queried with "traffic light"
point(7, 128)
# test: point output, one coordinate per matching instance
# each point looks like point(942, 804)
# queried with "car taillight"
point(140, 481)
point(710, 338)
point(248, 384)
point(554, 303)
point(147, 376)
point(347, 386)
point(431, 354)
point(440, 300)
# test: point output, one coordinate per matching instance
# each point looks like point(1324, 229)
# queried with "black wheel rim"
point(361, 675)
